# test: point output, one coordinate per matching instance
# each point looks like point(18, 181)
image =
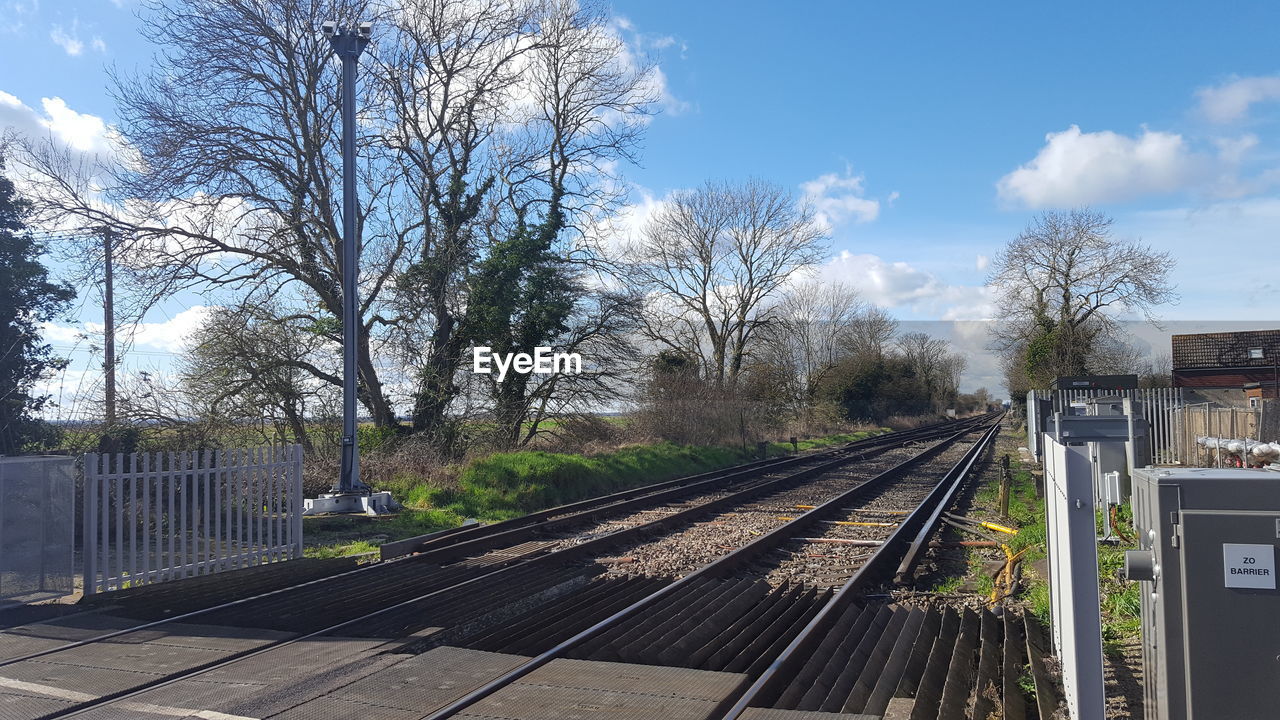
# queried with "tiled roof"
point(1225, 349)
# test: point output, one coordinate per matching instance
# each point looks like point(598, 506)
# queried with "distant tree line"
point(748, 342)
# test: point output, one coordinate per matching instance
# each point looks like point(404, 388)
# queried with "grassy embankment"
point(510, 484)
point(1120, 599)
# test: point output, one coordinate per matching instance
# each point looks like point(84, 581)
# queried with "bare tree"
point(713, 261)
point(814, 319)
point(1057, 284)
point(232, 185)
point(240, 367)
point(447, 78)
point(530, 289)
point(871, 333)
point(1156, 371)
point(936, 367)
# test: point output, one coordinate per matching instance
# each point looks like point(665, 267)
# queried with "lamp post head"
point(347, 42)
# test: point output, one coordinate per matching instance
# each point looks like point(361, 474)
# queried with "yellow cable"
point(999, 528)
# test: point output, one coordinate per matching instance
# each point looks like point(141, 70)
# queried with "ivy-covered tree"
point(522, 296)
point(29, 298)
point(1056, 288)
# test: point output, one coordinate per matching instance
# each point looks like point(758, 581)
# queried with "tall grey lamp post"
point(348, 43)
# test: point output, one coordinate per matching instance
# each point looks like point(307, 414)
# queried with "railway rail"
point(721, 620)
point(389, 599)
point(224, 591)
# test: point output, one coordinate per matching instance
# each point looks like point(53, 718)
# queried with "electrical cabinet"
point(1210, 604)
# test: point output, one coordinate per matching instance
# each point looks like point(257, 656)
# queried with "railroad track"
point(722, 620)
point(456, 577)
point(227, 590)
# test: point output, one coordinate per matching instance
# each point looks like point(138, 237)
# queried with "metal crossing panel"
point(37, 527)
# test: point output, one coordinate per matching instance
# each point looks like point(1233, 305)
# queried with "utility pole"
point(108, 326)
point(348, 43)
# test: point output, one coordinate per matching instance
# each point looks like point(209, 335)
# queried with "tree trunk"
point(370, 385)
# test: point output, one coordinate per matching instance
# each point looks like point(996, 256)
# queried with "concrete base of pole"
point(378, 503)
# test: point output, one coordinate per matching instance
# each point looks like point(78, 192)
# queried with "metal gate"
point(152, 517)
point(37, 527)
point(1159, 406)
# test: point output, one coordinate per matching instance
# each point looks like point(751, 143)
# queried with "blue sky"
point(928, 134)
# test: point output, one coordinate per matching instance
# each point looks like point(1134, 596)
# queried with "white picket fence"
point(153, 517)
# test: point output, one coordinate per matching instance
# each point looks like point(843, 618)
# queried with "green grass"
point(341, 535)
point(357, 547)
point(1121, 600)
point(949, 586)
point(1027, 511)
point(506, 485)
point(781, 448)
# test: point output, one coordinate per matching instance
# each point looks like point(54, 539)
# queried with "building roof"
point(1225, 350)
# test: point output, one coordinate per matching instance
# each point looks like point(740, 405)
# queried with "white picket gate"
point(152, 517)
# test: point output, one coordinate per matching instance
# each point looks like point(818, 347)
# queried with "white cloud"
point(82, 145)
point(1224, 252)
point(1231, 100)
point(838, 197)
point(626, 225)
point(170, 335)
point(900, 284)
point(983, 262)
point(99, 44)
point(1078, 168)
point(966, 303)
point(61, 334)
point(884, 283)
point(167, 336)
point(80, 131)
point(16, 13)
point(632, 59)
point(69, 41)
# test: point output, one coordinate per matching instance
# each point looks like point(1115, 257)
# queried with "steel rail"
point(613, 501)
point(563, 555)
point(930, 525)
point(490, 536)
point(919, 525)
point(720, 566)
point(466, 548)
